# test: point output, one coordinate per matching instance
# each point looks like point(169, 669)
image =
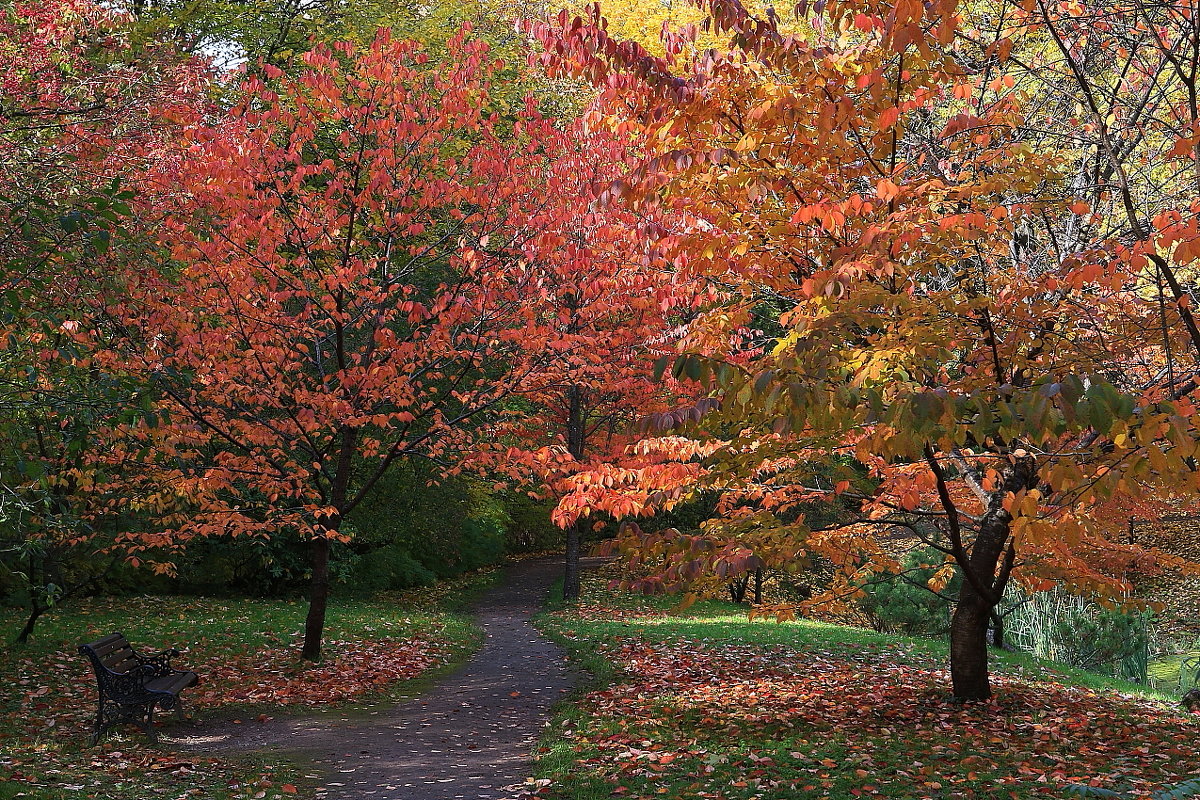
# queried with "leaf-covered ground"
point(709, 705)
point(246, 653)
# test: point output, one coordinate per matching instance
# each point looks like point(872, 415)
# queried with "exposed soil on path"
point(467, 738)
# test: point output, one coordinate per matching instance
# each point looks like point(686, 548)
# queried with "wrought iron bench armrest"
point(159, 664)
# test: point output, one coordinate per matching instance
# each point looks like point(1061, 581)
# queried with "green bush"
point(1108, 641)
point(530, 529)
point(902, 603)
point(389, 567)
point(416, 527)
point(411, 530)
point(1077, 631)
point(272, 567)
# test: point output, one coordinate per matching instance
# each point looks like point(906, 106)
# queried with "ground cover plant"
point(708, 704)
point(246, 653)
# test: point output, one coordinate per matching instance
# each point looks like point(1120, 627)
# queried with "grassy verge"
point(709, 705)
point(246, 652)
point(1165, 671)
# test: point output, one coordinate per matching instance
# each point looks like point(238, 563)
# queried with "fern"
point(1188, 788)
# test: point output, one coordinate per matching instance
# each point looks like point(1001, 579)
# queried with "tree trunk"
point(329, 525)
point(968, 647)
point(985, 574)
point(36, 609)
point(318, 599)
point(576, 433)
point(997, 630)
point(571, 571)
point(758, 579)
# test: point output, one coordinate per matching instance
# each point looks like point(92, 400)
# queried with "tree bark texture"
point(318, 599)
point(985, 575)
point(576, 433)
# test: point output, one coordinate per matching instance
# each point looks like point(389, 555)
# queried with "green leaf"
point(1188, 788)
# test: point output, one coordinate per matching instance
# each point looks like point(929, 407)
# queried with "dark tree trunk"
point(985, 574)
point(758, 579)
point(737, 589)
point(318, 599)
point(571, 571)
point(576, 434)
point(968, 647)
point(997, 630)
point(45, 571)
point(36, 610)
point(34, 571)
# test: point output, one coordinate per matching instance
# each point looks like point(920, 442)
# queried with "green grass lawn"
point(710, 705)
point(246, 653)
point(1164, 671)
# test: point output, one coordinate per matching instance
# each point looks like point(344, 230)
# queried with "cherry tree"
point(336, 296)
point(937, 365)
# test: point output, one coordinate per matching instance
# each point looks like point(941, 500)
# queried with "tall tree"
point(330, 306)
point(610, 305)
point(935, 363)
point(79, 113)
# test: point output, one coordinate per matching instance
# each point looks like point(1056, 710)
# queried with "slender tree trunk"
point(758, 579)
point(318, 597)
point(571, 571)
point(34, 569)
point(997, 630)
point(36, 610)
point(576, 433)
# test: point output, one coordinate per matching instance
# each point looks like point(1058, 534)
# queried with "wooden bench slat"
point(122, 664)
point(107, 641)
point(172, 684)
point(111, 647)
point(115, 654)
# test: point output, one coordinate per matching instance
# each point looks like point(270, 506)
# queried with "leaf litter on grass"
point(694, 715)
point(47, 708)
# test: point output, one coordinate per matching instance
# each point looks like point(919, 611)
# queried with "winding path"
point(467, 738)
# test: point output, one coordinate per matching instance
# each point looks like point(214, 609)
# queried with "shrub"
point(389, 567)
point(417, 527)
point(902, 603)
point(1108, 641)
point(530, 529)
point(1078, 632)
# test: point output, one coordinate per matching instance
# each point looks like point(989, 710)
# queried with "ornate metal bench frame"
point(130, 685)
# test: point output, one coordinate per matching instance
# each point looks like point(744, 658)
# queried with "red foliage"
point(351, 670)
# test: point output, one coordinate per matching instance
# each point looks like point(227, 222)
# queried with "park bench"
point(131, 686)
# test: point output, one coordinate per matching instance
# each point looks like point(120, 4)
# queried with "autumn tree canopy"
point(928, 264)
point(337, 295)
point(611, 305)
point(81, 116)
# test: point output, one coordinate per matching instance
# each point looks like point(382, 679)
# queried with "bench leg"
point(146, 723)
point(98, 726)
point(107, 715)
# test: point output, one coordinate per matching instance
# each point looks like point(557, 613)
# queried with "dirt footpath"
point(467, 738)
